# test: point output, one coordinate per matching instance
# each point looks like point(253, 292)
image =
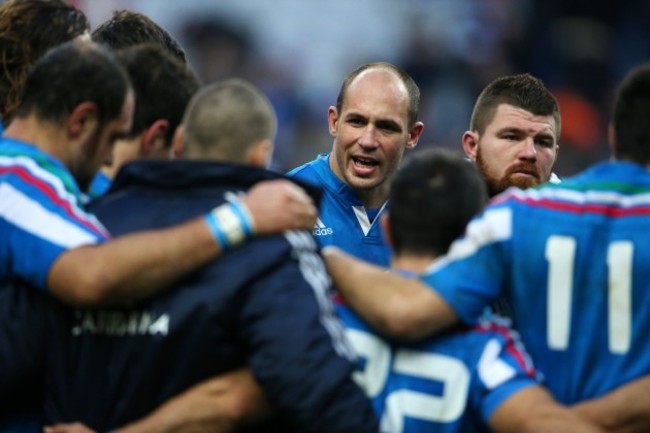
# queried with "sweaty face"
point(371, 133)
point(516, 149)
point(97, 151)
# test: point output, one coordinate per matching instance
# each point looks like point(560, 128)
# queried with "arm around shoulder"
point(401, 307)
point(533, 410)
point(624, 410)
point(141, 264)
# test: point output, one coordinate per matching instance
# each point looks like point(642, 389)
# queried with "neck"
point(373, 198)
point(43, 135)
point(412, 262)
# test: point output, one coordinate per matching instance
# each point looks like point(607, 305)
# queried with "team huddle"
point(157, 276)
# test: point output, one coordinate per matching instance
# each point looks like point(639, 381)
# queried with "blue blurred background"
point(298, 51)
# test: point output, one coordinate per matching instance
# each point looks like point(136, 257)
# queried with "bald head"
point(228, 121)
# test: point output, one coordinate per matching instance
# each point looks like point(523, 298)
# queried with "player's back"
point(580, 280)
point(258, 305)
point(451, 383)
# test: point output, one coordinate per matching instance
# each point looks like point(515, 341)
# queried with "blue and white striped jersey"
point(572, 261)
point(343, 220)
point(41, 214)
point(446, 384)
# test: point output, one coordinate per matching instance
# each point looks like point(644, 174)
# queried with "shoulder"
point(310, 171)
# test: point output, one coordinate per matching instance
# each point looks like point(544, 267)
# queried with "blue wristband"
point(230, 224)
point(244, 219)
point(215, 228)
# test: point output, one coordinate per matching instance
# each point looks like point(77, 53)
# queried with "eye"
point(356, 120)
point(544, 142)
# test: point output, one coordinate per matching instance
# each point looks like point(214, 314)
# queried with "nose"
point(527, 150)
point(368, 137)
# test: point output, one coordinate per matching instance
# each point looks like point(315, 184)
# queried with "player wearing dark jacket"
point(264, 304)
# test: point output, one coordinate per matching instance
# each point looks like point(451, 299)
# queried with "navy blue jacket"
point(263, 304)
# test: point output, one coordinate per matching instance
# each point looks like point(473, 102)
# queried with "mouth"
point(524, 174)
point(528, 172)
point(364, 165)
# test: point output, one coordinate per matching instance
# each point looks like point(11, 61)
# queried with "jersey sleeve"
point(39, 220)
point(298, 352)
point(472, 274)
point(504, 367)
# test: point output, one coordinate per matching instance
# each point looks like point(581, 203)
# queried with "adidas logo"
point(321, 230)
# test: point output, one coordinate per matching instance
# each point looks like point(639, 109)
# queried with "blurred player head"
point(433, 196)
point(28, 29)
point(230, 121)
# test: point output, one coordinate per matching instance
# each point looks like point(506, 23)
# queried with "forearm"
point(214, 406)
point(533, 410)
point(395, 305)
point(138, 265)
point(132, 266)
point(624, 410)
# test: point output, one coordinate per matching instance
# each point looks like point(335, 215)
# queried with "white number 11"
point(560, 254)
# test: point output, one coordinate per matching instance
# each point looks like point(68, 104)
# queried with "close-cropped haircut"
point(412, 88)
point(28, 29)
point(162, 86)
point(71, 73)
point(521, 91)
point(432, 198)
point(128, 28)
point(226, 118)
point(630, 116)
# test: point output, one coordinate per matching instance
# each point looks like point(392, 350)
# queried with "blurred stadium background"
point(298, 51)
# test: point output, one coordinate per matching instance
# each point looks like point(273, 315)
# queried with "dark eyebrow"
point(511, 130)
point(389, 124)
point(354, 116)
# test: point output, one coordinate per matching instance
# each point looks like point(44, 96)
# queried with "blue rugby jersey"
point(99, 185)
point(343, 221)
point(263, 304)
point(41, 213)
point(450, 383)
point(572, 261)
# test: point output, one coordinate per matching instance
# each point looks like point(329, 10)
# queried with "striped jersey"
point(343, 220)
point(572, 261)
point(41, 214)
point(446, 384)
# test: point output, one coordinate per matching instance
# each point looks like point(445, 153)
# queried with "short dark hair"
point(69, 74)
point(127, 28)
point(630, 116)
point(28, 29)
point(520, 90)
point(432, 198)
point(411, 87)
point(162, 86)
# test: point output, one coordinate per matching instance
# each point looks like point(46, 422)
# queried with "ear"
point(384, 221)
point(178, 143)
point(83, 121)
point(154, 139)
point(259, 155)
point(414, 135)
point(332, 119)
point(470, 144)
